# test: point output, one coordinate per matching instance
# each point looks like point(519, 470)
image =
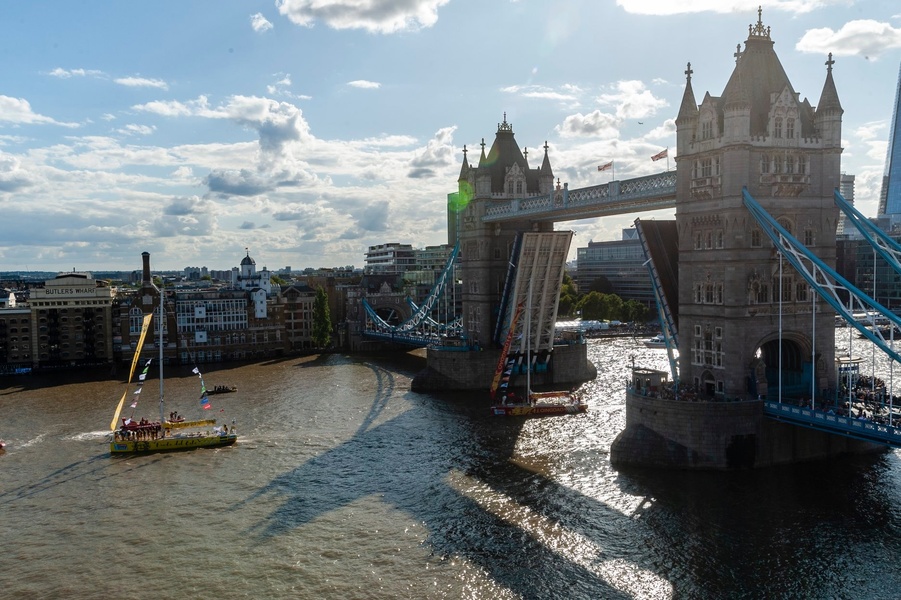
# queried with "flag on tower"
point(662, 154)
point(609, 165)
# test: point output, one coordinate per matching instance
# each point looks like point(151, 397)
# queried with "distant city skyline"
point(310, 131)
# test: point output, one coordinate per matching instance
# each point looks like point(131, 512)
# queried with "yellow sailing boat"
point(172, 433)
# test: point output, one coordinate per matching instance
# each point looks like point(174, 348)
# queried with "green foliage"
point(591, 306)
point(322, 320)
point(602, 285)
point(596, 306)
point(276, 280)
point(635, 311)
point(569, 297)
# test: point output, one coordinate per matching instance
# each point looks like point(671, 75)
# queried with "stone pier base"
point(718, 435)
point(449, 370)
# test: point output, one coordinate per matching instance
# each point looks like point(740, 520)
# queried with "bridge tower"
point(759, 134)
point(500, 175)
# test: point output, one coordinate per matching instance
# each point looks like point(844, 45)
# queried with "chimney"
point(145, 256)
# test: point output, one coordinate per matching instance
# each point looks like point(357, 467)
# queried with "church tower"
point(501, 174)
point(757, 134)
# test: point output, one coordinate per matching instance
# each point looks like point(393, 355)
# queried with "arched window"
point(777, 127)
point(790, 128)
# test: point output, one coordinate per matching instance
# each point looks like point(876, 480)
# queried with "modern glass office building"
point(890, 198)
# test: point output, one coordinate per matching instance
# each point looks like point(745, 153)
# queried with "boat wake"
point(32, 442)
point(89, 436)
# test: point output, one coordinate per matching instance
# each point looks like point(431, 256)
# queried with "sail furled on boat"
point(145, 327)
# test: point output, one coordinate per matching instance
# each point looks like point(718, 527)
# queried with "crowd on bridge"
point(866, 399)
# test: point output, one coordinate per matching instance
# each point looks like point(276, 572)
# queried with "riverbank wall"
point(681, 434)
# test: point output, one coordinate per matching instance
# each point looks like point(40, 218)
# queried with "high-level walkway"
point(641, 194)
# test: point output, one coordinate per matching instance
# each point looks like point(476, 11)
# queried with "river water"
point(345, 484)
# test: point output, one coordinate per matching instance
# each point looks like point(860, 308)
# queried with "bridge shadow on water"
point(395, 461)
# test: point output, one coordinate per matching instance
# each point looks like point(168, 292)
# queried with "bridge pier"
point(450, 370)
point(682, 434)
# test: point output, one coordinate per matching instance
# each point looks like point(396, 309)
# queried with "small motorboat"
point(658, 341)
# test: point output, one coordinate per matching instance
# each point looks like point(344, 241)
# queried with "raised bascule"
point(744, 276)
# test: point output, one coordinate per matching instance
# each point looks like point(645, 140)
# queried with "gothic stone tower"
point(486, 248)
point(758, 134)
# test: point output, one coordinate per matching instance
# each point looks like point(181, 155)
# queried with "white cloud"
point(870, 130)
point(594, 124)
point(173, 108)
point(439, 152)
point(12, 177)
point(142, 82)
point(259, 23)
point(375, 16)
point(633, 100)
point(18, 111)
point(133, 129)
point(864, 37)
point(668, 7)
point(66, 74)
point(363, 84)
point(568, 95)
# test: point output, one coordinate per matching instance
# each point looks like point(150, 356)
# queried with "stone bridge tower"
point(761, 135)
point(502, 174)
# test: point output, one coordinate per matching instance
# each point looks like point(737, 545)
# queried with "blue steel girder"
point(651, 192)
point(885, 246)
point(418, 327)
point(823, 279)
point(861, 429)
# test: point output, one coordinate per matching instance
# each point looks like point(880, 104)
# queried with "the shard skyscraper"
point(890, 197)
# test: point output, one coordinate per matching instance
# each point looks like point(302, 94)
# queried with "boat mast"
point(529, 343)
point(160, 341)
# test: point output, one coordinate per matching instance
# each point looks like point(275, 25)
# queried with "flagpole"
point(667, 158)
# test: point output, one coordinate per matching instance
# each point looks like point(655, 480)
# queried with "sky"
point(305, 131)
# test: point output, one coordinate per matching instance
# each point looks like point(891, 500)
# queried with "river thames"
point(345, 484)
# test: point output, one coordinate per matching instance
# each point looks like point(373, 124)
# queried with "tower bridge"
point(749, 331)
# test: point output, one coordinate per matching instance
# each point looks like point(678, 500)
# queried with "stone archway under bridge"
point(786, 359)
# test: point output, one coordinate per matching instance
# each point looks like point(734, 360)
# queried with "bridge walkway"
point(867, 430)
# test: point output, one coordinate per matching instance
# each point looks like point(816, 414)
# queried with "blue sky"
point(308, 130)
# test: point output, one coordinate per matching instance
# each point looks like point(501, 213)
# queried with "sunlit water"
point(344, 484)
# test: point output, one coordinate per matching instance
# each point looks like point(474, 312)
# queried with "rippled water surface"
point(344, 484)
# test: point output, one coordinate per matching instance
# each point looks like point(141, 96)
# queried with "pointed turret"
point(545, 174)
point(687, 120)
point(689, 107)
point(829, 97)
point(464, 169)
point(829, 111)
